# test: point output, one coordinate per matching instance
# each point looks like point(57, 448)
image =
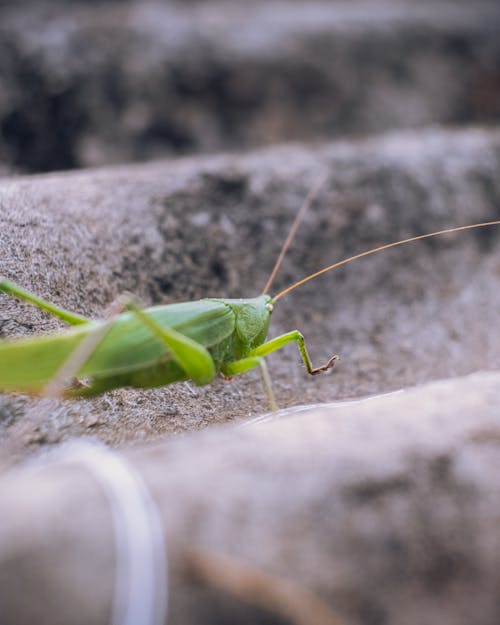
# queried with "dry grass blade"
point(254, 586)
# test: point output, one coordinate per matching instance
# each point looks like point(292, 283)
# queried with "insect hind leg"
point(194, 359)
point(10, 288)
point(84, 350)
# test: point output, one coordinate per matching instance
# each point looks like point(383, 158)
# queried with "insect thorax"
point(252, 318)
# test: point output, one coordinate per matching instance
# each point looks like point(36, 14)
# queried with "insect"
point(162, 344)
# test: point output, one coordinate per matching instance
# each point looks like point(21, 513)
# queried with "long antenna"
point(379, 249)
point(296, 222)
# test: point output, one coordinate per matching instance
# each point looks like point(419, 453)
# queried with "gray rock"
point(198, 227)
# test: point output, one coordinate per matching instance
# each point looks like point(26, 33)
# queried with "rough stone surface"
point(97, 83)
point(388, 509)
point(204, 227)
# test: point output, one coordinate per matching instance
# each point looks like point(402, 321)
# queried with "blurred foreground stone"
point(387, 509)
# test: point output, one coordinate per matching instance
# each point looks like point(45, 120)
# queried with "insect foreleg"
point(6, 286)
point(290, 337)
point(256, 358)
point(240, 366)
point(190, 355)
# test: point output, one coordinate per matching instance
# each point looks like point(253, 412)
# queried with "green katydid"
point(162, 344)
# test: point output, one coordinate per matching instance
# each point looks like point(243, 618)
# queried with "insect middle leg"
point(245, 364)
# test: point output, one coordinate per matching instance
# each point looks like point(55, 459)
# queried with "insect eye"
point(270, 307)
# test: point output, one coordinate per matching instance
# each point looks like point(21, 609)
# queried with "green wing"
point(130, 344)
point(128, 355)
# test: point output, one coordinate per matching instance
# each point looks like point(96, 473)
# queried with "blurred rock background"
point(93, 83)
